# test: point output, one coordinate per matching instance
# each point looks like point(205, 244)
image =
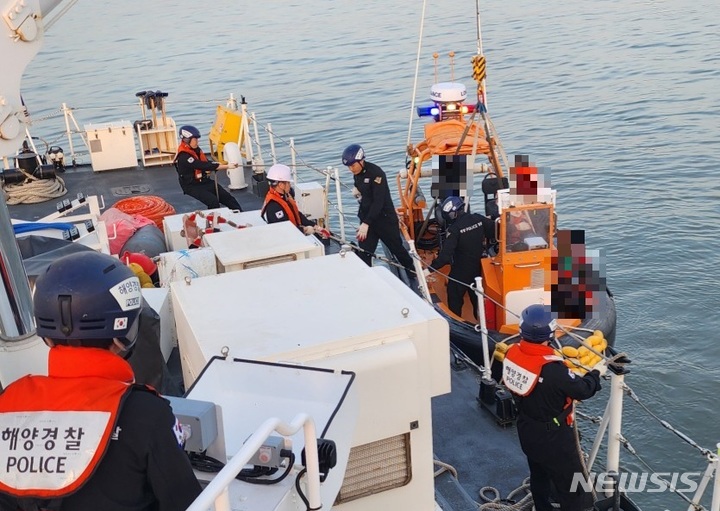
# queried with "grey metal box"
point(197, 417)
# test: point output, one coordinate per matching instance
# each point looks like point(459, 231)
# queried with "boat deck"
point(114, 185)
point(466, 436)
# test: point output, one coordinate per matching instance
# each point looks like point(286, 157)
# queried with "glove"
point(322, 232)
point(601, 367)
point(308, 229)
point(427, 273)
point(362, 232)
point(356, 193)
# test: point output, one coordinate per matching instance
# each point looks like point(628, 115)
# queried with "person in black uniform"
point(194, 170)
point(87, 308)
point(379, 221)
point(462, 248)
point(544, 389)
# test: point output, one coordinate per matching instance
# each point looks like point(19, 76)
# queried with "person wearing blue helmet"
point(462, 248)
point(194, 170)
point(86, 437)
point(378, 218)
point(544, 390)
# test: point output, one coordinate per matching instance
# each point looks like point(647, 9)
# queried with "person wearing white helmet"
point(194, 171)
point(280, 206)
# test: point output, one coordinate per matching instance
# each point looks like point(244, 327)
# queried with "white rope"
point(33, 191)
point(495, 503)
point(417, 71)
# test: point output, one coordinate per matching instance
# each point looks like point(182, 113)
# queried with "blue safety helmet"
point(352, 154)
point(88, 299)
point(451, 208)
point(537, 324)
point(188, 132)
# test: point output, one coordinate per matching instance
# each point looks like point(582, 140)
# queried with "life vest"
point(522, 365)
point(521, 371)
point(55, 430)
point(288, 204)
point(199, 154)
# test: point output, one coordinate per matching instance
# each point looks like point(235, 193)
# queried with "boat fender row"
point(574, 357)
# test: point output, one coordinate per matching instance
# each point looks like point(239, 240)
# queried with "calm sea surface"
point(621, 99)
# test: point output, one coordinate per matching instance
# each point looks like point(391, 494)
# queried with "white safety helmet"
point(279, 172)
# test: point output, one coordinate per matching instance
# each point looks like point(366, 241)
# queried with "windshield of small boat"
point(527, 229)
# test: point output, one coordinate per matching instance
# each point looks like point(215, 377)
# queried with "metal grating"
point(376, 467)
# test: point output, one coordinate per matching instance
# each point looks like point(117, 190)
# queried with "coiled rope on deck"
point(34, 190)
point(496, 503)
point(151, 207)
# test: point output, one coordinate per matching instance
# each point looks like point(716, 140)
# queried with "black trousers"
point(205, 193)
point(456, 294)
point(387, 230)
point(554, 461)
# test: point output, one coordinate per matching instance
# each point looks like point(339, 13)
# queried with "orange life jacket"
point(521, 371)
point(522, 365)
point(288, 204)
point(184, 147)
point(55, 430)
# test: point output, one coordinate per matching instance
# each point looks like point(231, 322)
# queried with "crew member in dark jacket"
point(194, 170)
point(379, 221)
point(544, 390)
point(101, 441)
point(462, 249)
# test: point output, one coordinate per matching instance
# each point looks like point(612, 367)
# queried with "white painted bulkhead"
point(333, 312)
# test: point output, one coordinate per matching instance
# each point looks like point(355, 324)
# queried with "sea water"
point(620, 99)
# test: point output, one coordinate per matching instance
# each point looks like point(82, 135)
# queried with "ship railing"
point(611, 422)
point(216, 494)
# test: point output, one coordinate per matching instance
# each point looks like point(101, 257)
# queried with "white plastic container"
point(236, 175)
point(192, 263)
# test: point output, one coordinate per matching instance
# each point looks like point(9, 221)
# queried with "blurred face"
point(194, 142)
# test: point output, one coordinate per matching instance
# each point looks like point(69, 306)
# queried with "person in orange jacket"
point(544, 390)
point(85, 437)
point(280, 205)
point(194, 170)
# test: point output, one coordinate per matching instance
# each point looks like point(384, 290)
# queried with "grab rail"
point(216, 495)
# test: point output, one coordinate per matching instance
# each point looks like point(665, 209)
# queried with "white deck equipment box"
point(265, 244)
point(112, 145)
point(310, 199)
point(333, 312)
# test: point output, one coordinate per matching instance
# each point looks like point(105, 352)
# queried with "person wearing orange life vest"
point(194, 170)
point(85, 437)
point(544, 390)
point(280, 206)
